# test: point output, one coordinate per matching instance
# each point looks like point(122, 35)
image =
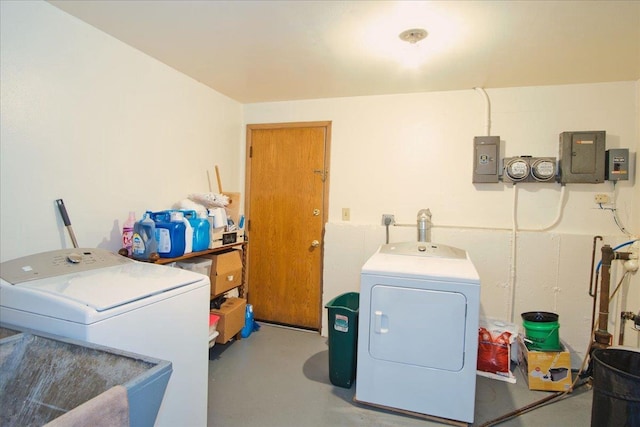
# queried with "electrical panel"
point(529, 169)
point(486, 153)
point(617, 164)
point(582, 157)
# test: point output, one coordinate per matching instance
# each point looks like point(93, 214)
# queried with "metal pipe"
point(602, 337)
point(624, 316)
point(593, 292)
point(424, 225)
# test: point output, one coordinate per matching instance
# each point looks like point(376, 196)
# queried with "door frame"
point(325, 196)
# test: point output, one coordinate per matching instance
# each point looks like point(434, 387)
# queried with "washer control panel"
point(58, 263)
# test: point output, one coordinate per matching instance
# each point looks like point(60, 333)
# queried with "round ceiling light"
point(413, 35)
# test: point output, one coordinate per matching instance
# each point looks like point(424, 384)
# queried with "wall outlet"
point(602, 199)
point(346, 214)
point(388, 217)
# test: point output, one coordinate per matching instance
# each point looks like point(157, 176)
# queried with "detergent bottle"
point(127, 232)
point(144, 238)
point(170, 235)
point(200, 225)
point(178, 216)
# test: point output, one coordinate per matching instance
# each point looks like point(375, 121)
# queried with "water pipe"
point(593, 292)
point(624, 316)
point(602, 337)
point(621, 245)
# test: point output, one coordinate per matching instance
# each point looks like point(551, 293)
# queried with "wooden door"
point(286, 206)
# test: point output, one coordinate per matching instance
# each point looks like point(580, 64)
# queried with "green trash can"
point(343, 338)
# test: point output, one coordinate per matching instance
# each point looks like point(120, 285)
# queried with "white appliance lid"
point(423, 266)
point(105, 288)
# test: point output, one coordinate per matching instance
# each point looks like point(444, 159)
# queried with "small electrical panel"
point(582, 157)
point(486, 154)
point(617, 164)
point(529, 169)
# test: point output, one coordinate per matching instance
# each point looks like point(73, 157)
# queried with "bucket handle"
point(548, 335)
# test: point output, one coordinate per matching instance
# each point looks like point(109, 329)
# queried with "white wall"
point(400, 153)
point(97, 123)
point(108, 129)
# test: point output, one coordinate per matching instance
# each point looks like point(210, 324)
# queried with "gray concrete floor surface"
point(279, 377)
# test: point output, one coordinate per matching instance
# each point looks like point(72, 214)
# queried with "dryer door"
point(418, 327)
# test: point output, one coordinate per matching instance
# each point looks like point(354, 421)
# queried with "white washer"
point(101, 297)
point(418, 330)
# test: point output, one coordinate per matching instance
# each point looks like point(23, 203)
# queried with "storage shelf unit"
point(214, 251)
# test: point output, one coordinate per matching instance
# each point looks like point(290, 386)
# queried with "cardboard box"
point(231, 321)
point(226, 271)
point(545, 370)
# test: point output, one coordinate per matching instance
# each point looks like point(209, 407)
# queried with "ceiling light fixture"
point(413, 35)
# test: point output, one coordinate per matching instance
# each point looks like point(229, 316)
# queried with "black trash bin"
point(616, 388)
point(343, 338)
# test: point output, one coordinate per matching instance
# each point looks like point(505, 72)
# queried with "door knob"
point(315, 243)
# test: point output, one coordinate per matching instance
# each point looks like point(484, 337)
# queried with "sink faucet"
point(424, 225)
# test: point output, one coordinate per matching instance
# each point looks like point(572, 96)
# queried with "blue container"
point(144, 238)
point(201, 230)
point(169, 235)
point(248, 322)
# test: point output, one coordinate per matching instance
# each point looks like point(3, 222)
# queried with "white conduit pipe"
point(488, 109)
point(512, 268)
point(514, 235)
point(558, 214)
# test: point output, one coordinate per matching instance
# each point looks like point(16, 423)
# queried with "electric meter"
point(516, 169)
point(543, 169)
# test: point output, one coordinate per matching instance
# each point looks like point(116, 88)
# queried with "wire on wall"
point(488, 109)
point(614, 212)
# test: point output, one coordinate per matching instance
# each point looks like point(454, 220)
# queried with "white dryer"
point(101, 297)
point(418, 330)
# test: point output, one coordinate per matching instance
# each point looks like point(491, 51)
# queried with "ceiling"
point(261, 51)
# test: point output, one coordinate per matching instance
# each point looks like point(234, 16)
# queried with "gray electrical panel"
point(582, 157)
point(486, 154)
point(617, 164)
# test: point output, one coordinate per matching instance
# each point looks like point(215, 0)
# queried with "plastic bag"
point(210, 200)
point(495, 339)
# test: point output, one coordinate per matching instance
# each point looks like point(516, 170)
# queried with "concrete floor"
point(279, 377)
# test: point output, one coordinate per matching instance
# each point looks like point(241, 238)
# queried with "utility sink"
point(43, 377)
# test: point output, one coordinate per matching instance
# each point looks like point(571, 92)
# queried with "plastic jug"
point(201, 232)
point(170, 235)
point(178, 216)
point(144, 238)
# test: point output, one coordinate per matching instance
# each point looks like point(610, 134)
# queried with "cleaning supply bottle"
point(200, 225)
point(178, 216)
point(127, 232)
point(248, 322)
point(144, 238)
point(169, 235)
